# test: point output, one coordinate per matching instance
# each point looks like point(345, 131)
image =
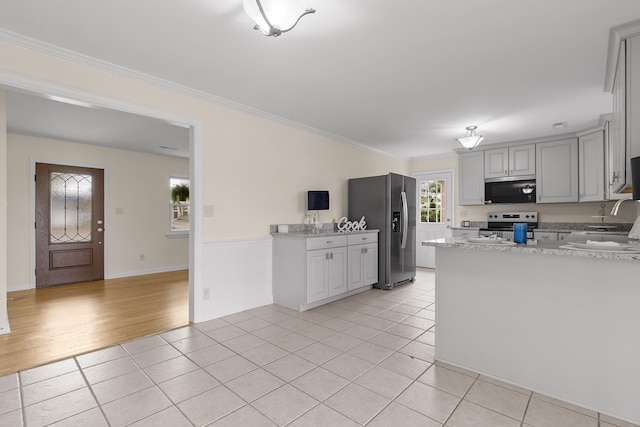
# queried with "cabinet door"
point(496, 163)
point(557, 171)
point(337, 271)
point(522, 160)
point(317, 283)
point(355, 278)
point(591, 167)
point(471, 173)
point(617, 135)
point(370, 264)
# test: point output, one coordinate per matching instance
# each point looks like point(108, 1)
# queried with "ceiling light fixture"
point(471, 139)
point(274, 17)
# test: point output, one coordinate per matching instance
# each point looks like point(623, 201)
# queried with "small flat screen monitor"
point(317, 200)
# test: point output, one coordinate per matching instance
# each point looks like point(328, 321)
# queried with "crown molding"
point(82, 59)
point(616, 35)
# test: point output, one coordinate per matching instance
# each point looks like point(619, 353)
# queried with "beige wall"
point(135, 182)
point(255, 171)
point(560, 212)
point(3, 212)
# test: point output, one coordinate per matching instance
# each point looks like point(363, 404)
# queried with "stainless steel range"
point(501, 224)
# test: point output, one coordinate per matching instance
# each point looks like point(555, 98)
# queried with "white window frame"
point(176, 234)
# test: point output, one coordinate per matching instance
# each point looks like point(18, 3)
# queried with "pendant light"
point(274, 17)
point(471, 139)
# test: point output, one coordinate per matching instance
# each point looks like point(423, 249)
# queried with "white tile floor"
point(365, 360)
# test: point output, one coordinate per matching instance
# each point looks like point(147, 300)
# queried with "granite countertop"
point(321, 233)
point(542, 247)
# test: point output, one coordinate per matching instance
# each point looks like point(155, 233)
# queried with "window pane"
point(432, 201)
point(179, 203)
point(70, 208)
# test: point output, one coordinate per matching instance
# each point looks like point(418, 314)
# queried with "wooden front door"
point(69, 224)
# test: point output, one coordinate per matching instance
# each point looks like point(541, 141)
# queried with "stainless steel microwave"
point(510, 191)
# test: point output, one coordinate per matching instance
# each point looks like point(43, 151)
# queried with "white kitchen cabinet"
point(462, 233)
point(471, 173)
point(362, 261)
point(519, 160)
point(545, 235)
point(591, 166)
point(562, 235)
point(617, 139)
point(326, 273)
point(624, 143)
point(310, 271)
point(557, 171)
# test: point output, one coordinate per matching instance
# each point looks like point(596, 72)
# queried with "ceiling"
point(404, 78)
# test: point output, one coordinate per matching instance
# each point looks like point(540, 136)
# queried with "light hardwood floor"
point(58, 322)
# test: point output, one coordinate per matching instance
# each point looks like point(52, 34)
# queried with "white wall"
point(135, 182)
point(3, 215)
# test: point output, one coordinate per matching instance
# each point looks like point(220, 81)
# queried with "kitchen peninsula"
point(561, 322)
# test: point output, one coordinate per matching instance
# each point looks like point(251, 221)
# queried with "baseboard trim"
point(148, 271)
point(29, 286)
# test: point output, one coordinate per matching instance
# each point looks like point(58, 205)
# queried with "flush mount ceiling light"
point(274, 17)
point(471, 139)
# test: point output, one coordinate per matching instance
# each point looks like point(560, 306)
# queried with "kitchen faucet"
point(616, 206)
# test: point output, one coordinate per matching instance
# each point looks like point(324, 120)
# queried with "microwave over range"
point(510, 191)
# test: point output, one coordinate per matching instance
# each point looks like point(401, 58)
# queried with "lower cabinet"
point(363, 266)
point(308, 271)
point(550, 235)
point(326, 273)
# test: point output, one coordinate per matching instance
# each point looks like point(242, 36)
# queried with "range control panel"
point(513, 217)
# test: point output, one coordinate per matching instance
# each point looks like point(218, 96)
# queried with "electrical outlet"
point(205, 294)
point(119, 211)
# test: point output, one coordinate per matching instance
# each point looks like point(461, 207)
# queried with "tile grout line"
point(526, 408)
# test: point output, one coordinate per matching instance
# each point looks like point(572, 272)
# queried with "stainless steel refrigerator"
point(388, 203)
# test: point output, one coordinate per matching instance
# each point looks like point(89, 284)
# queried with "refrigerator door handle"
point(405, 220)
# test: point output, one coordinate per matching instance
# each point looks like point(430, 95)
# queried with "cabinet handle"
point(511, 172)
point(366, 250)
point(329, 241)
point(365, 238)
point(505, 172)
point(331, 255)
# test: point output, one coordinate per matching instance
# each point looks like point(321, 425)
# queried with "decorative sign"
point(346, 226)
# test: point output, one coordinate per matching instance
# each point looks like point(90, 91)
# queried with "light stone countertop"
point(542, 247)
point(322, 233)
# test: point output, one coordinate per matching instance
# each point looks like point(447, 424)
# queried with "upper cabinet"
point(591, 166)
point(519, 160)
point(617, 141)
point(623, 80)
point(557, 171)
point(471, 174)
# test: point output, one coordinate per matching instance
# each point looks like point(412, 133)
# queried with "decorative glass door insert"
point(71, 207)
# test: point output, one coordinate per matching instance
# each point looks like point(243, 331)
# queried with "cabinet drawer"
point(545, 235)
point(466, 233)
point(326, 242)
point(358, 239)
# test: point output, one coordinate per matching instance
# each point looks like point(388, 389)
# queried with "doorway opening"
point(435, 212)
